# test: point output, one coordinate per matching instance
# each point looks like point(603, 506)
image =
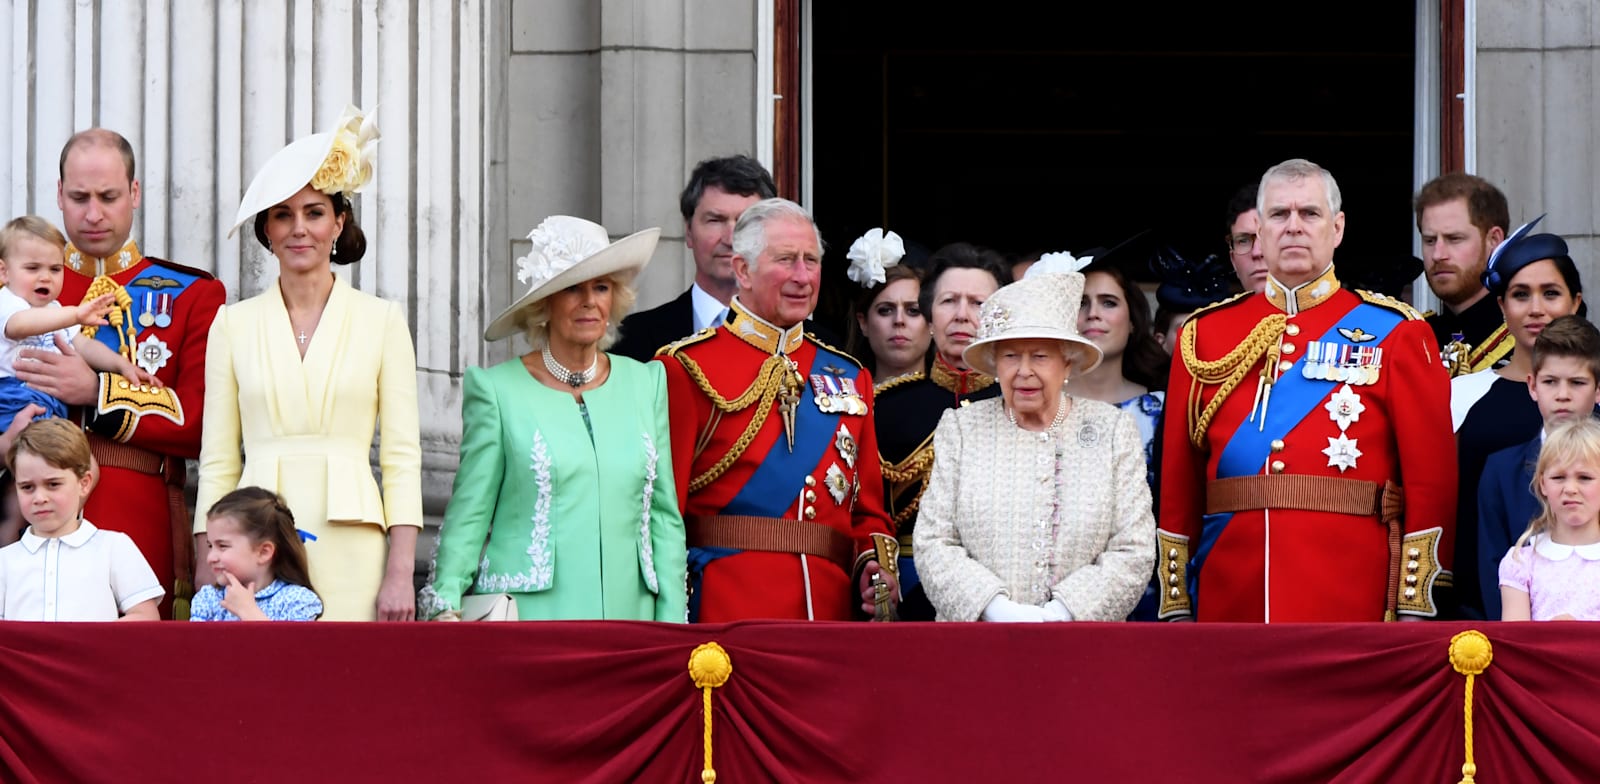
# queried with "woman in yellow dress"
point(301, 374)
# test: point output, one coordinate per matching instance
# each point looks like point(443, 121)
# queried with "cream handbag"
point(488, 607)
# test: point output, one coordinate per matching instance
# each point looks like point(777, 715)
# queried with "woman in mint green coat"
point(565, 498)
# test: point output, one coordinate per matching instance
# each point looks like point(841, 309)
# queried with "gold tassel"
point(1470, 655)
point(709, 667)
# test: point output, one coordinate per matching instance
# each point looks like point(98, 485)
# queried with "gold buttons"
point(1413, 553)
point(811, 496)
point(1412, 566)
point(811, 513)
point(122, 385)
point(1172, 579)
point(1292, 330)
point(1277, 466)
point(1174, 592)
point(1277, 445)
point(1172, 552)
point(1411, 579)
point(1288, 348)
point(1411, 593)
point(1283, 367)
point(811, 481)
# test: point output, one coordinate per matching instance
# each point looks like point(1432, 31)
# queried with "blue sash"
point(154, 278)
point(777, 481)
point(1294, 397)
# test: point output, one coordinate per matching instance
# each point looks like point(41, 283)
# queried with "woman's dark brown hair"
point(352, 242)
point(264, 517)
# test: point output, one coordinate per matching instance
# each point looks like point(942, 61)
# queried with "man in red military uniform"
point(140, 437)
point(1310, 474)
point(773, 446)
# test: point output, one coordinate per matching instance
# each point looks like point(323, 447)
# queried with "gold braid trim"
point(1228, 371)
point(762, 392)
point(119, 315)
point(914, 469)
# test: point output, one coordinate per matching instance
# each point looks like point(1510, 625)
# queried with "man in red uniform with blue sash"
point(773, 445)
point(140, 436)
point(1310, 474)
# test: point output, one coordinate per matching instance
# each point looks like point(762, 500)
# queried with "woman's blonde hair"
point(1570, 443)
point(535, 318)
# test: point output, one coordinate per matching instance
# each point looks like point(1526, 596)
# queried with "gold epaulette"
point(1220, 304)
point(814, 339)
point(673, 347)
point(1386, 301)
point(897, 381)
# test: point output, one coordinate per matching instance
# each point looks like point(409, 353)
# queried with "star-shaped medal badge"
point(1345, 407)
point(152, 354)
point(1342, 452)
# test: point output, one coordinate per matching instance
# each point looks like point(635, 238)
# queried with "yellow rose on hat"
point(341, 170)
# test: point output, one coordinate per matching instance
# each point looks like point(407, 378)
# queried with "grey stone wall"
point(1538, 116)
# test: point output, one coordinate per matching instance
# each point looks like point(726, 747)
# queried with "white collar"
point(1554, 551)
point(32, 542)
point(707, 309)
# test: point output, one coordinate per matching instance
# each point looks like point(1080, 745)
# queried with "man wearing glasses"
point(1243, 250)
point(1462, 219)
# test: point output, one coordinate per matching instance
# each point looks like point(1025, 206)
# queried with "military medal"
point(152, 354)
point(1342, 452)
point(846, 444)
point(836, 483)
point(164, 310)
point(1345, 407)
point(147, 316)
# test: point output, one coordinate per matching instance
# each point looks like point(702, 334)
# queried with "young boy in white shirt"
point(64, 568)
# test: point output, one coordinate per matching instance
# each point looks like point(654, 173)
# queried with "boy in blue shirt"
point(1566, 366)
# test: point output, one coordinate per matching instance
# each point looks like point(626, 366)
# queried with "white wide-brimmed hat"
point(336, 161)
point(1038, 306)
point(568, 251)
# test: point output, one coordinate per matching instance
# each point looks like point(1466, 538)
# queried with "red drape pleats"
point(613, 702)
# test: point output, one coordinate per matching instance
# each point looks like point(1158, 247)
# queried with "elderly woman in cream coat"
point(1037, 508)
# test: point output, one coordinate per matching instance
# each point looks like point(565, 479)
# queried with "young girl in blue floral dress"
point(259, 562)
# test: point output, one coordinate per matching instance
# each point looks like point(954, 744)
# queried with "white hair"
point(750, 232)
point(1295, 169)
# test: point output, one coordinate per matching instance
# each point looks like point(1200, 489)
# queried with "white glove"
point(1003, 609)
point(1056, 610)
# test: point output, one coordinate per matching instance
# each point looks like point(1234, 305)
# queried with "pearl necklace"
point(1044, 435)
point(572, 378)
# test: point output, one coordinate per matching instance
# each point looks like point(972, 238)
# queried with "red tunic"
point(763, 584)
point(1295, 565)
point(140, 504)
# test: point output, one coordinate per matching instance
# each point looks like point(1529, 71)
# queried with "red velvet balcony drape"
point(612, 702)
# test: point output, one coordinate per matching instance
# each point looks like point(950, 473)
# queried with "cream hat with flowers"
point(336, 161)
point(1040, 307)
point(568, 251)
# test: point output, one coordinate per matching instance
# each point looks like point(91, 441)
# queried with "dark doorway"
point(1008, 125)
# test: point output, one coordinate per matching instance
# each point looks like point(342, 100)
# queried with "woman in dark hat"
point(1535, 281)
point(1185, 288)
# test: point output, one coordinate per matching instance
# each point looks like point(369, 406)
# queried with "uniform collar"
point(961, 382)
point(1305, 296)
point(123, 260)
point(32, 542)
point(763, 334)
point(1553, 551)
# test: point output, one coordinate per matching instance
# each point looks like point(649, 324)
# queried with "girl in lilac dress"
point(1553, 572)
